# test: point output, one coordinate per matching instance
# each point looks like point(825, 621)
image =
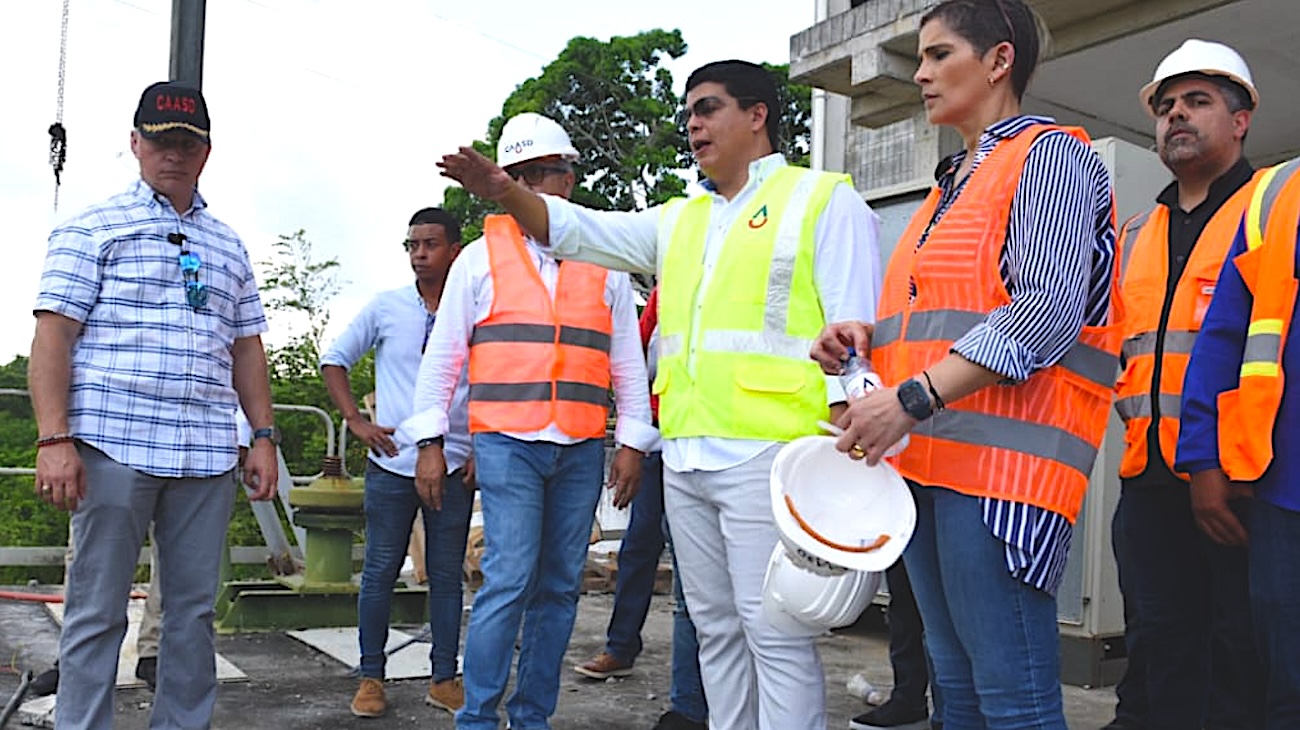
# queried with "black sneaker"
point(891, 716)
point(673, 720)
point(147, 669)
point(45, 683)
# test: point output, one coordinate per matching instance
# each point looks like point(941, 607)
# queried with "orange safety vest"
point(1145, 278)
point(1248, 414)
point(1034, 442)
point(536, 361)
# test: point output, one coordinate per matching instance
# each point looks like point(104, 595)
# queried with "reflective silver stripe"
point(982, 429)
point(668, 216)
point(887, 331)
point(582, 337)
point(951, 325)
point(1131, 231)
point(780, 277)
point(1263, 348)
point(509, 392)
point(1177, 342)
point(1139, 406)
point(576, 336)
point(1274, 189)
point(942, 324)
point(582, 392)
point(669, 345)
point(512, 333)
point(761, 343)
point(1099, 366)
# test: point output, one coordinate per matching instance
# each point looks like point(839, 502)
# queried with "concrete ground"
point(293, 686)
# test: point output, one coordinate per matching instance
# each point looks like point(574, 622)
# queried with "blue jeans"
point(1275, 607)
point(638, 562)
point(992, 639)
point(1190, 629)
point(686, 696)
point(391, 504)
point(539, 500)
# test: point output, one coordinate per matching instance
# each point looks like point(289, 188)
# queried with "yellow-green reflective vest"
point(743, 370)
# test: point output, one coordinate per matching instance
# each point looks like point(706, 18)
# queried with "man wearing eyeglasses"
point(545, 342)
point(148, 326)
point(748, 275)
point(396, 325)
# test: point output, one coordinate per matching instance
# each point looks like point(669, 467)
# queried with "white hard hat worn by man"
point(1205, 58)
point(530, 136)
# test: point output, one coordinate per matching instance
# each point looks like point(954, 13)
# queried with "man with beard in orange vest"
point(1192, 661)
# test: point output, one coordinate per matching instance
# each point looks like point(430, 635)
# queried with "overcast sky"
point(326, 114)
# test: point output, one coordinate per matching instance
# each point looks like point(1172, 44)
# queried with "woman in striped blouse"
point(995, 331)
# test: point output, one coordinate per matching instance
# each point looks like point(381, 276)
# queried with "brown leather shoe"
point(370, 700)
point(449, 694)
point(603, 666)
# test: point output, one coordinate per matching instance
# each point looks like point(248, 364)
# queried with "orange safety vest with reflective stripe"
point(1145, 279)
point(536, 360)
point(1035, 442)
point(1248, 413)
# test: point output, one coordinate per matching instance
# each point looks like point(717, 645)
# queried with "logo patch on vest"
point(759, 219)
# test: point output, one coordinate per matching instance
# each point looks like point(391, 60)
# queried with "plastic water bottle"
point(858, 379)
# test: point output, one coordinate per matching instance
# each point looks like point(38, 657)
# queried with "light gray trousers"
point(190, 517)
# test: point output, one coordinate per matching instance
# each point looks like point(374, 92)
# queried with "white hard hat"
point(530, 136)
point(1201, 57)
point(803, 602)
point(836, 514)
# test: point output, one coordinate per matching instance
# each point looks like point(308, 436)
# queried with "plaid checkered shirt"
point(151, 374)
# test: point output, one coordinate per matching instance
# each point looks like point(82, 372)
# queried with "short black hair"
point(438, 216)
point(986, 23)
point(749, 83)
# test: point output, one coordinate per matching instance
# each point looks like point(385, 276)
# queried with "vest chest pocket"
point(780, 378)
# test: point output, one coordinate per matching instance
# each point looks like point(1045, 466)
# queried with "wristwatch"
point(915, 400)
point(271, 434)
point(429, 442)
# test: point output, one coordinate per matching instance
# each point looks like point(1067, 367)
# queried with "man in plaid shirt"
point(148, 326)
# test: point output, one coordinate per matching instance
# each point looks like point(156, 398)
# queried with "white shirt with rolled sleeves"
point(846, 271)
point(467, 301)
point(394, 323)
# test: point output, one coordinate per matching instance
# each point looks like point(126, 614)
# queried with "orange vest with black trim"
point(536, 360)
point(1144, 281)
point(1248, 413)
point(1035, 442)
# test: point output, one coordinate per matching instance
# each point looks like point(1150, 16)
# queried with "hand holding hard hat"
point(840, 525)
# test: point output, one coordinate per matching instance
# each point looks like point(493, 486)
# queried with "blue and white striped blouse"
point(1057, 267)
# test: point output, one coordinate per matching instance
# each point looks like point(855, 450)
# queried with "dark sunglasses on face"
point(707, 106)
point(535, 174)
point(196, 292)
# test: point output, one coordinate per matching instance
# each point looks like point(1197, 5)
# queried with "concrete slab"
point(409, 662)
point(294, 687)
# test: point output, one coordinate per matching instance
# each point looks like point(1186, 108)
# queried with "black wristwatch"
point(915, 400)
point(429, 442)
point(271, 434)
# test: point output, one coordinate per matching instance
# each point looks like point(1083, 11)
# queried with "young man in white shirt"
point(396, 325)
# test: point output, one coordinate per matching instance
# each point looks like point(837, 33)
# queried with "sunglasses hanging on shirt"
point(196, 292)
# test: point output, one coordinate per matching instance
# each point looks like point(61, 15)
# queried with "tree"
point(616, 101)
point(296, 284)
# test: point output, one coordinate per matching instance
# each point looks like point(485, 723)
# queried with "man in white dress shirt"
point(748, 274)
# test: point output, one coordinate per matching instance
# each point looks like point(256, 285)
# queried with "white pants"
point(723, 533)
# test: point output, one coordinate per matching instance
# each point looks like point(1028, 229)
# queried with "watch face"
point(915, 400)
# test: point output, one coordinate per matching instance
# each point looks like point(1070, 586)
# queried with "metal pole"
point(187, 41)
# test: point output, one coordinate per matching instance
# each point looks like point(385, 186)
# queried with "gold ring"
point(46, 488)
point(857, 451)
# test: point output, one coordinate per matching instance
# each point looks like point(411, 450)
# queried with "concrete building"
point(868, 121)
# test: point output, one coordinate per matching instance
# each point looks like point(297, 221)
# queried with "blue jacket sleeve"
point(1215, 366)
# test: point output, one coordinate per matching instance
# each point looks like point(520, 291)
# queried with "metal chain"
point(59, 135)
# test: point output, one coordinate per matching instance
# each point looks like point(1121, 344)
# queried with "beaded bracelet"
point(54, 438)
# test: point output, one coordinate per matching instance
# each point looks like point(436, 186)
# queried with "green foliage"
point(297, 285)
point(471, 209)
point(796, 115)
